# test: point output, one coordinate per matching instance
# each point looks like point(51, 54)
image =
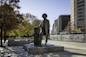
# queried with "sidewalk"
point(72, 45)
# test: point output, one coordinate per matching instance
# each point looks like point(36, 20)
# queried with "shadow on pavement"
point(73, 53)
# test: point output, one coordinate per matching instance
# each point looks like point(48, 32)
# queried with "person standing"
point(45, 27)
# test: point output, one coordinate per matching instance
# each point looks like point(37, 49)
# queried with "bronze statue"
point(42, 30)
point(45, 27)
point(37, 37)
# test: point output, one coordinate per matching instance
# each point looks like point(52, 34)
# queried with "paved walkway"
point(70, 46)
point(78, 48)
point(74, 45)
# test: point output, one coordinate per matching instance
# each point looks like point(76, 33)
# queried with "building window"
point(80, 1)
point(80, 5)
point(80, 19)
point(80, 9)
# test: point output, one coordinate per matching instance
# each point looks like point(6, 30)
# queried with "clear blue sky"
point(53, 8)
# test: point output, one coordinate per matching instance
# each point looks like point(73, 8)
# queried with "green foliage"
point(36, 23)
point(24, 29)
point(14, 24)
point(77, 30)
point(8, 16)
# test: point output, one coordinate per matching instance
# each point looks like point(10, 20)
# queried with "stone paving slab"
point(73, 45)
point(18, 51)
point(70, 46)
point(30, 48)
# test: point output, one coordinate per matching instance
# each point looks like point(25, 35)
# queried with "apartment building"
point(61, 24)
point(78, 15)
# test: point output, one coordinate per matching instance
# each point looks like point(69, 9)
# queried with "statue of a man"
point(45, 27)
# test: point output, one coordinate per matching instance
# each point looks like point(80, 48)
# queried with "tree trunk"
point(1, 35)
point(4, 36)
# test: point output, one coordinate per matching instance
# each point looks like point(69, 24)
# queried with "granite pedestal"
point(31, 49)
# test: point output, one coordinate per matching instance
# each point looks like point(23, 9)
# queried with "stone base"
point(13, 42)
point(31, 49)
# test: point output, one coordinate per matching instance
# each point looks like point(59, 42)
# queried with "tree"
point(8, 17)
point(24, 28)
point(36, 23)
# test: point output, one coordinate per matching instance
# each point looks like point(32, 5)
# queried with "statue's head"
point(44, 15)
point(36, 30)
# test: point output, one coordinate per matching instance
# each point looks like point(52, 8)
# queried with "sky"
point(53, 8)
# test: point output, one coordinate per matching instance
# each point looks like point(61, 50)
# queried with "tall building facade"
point(78, 15)
point(62, 24)
point(54, 28)
point(63, 21)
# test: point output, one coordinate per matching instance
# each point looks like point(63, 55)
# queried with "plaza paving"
point(72, 49)
point(70, 46)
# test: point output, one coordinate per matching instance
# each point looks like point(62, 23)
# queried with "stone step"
point(31, 49)
point(17, 43)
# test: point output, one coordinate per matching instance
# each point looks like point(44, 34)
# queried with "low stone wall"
point(19, 41)
point(69, 37)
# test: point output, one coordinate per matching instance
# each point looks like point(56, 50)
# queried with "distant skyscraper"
point(78, 15)
point(54, 28)
point(63, 21)
point(61, 24)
